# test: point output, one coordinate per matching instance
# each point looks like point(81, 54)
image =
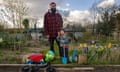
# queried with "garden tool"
point(74, 56)
point(64, 58)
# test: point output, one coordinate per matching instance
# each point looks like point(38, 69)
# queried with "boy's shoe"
point(69, 61)
point(60, 57)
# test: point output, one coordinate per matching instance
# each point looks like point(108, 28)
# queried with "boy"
point(64, 42)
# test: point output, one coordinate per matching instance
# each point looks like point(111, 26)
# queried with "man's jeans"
point(51, 41)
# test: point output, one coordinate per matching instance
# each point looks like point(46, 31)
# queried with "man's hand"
point(58, 33)
point(48, 36)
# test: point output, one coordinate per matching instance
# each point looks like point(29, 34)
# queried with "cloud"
point(63, 9)
point(67, 4)
point(39, 7)
point(5, 17)
point(1, 1)
point(106, 4)
point(80, 17)
point(75, 16)
point(40, 22)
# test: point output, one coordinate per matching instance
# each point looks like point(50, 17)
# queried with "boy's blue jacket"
point(64, 40)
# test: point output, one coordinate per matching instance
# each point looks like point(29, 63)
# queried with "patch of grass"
point(26, 50)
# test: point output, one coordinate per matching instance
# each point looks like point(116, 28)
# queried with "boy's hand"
point(62, 40)
point(48, 36)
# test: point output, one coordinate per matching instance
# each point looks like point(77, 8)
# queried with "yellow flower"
point(93, 46)
point(101, 48)
point(109, 45)
point(81, 45)
point(85, 45)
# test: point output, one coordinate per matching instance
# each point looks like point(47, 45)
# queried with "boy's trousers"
point(65, 52)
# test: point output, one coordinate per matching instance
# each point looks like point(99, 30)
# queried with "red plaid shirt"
point(52, 24)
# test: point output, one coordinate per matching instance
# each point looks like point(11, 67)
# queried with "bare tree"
point(17, 10)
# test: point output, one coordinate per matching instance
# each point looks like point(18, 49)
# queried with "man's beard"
point(53, 10)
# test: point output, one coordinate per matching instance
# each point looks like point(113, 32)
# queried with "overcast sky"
point(76, 10)
point(39, 7)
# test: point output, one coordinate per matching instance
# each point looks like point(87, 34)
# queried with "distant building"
point(34, 34)
point(77, 33)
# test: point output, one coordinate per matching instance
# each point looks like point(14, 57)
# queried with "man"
point(52, 25)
